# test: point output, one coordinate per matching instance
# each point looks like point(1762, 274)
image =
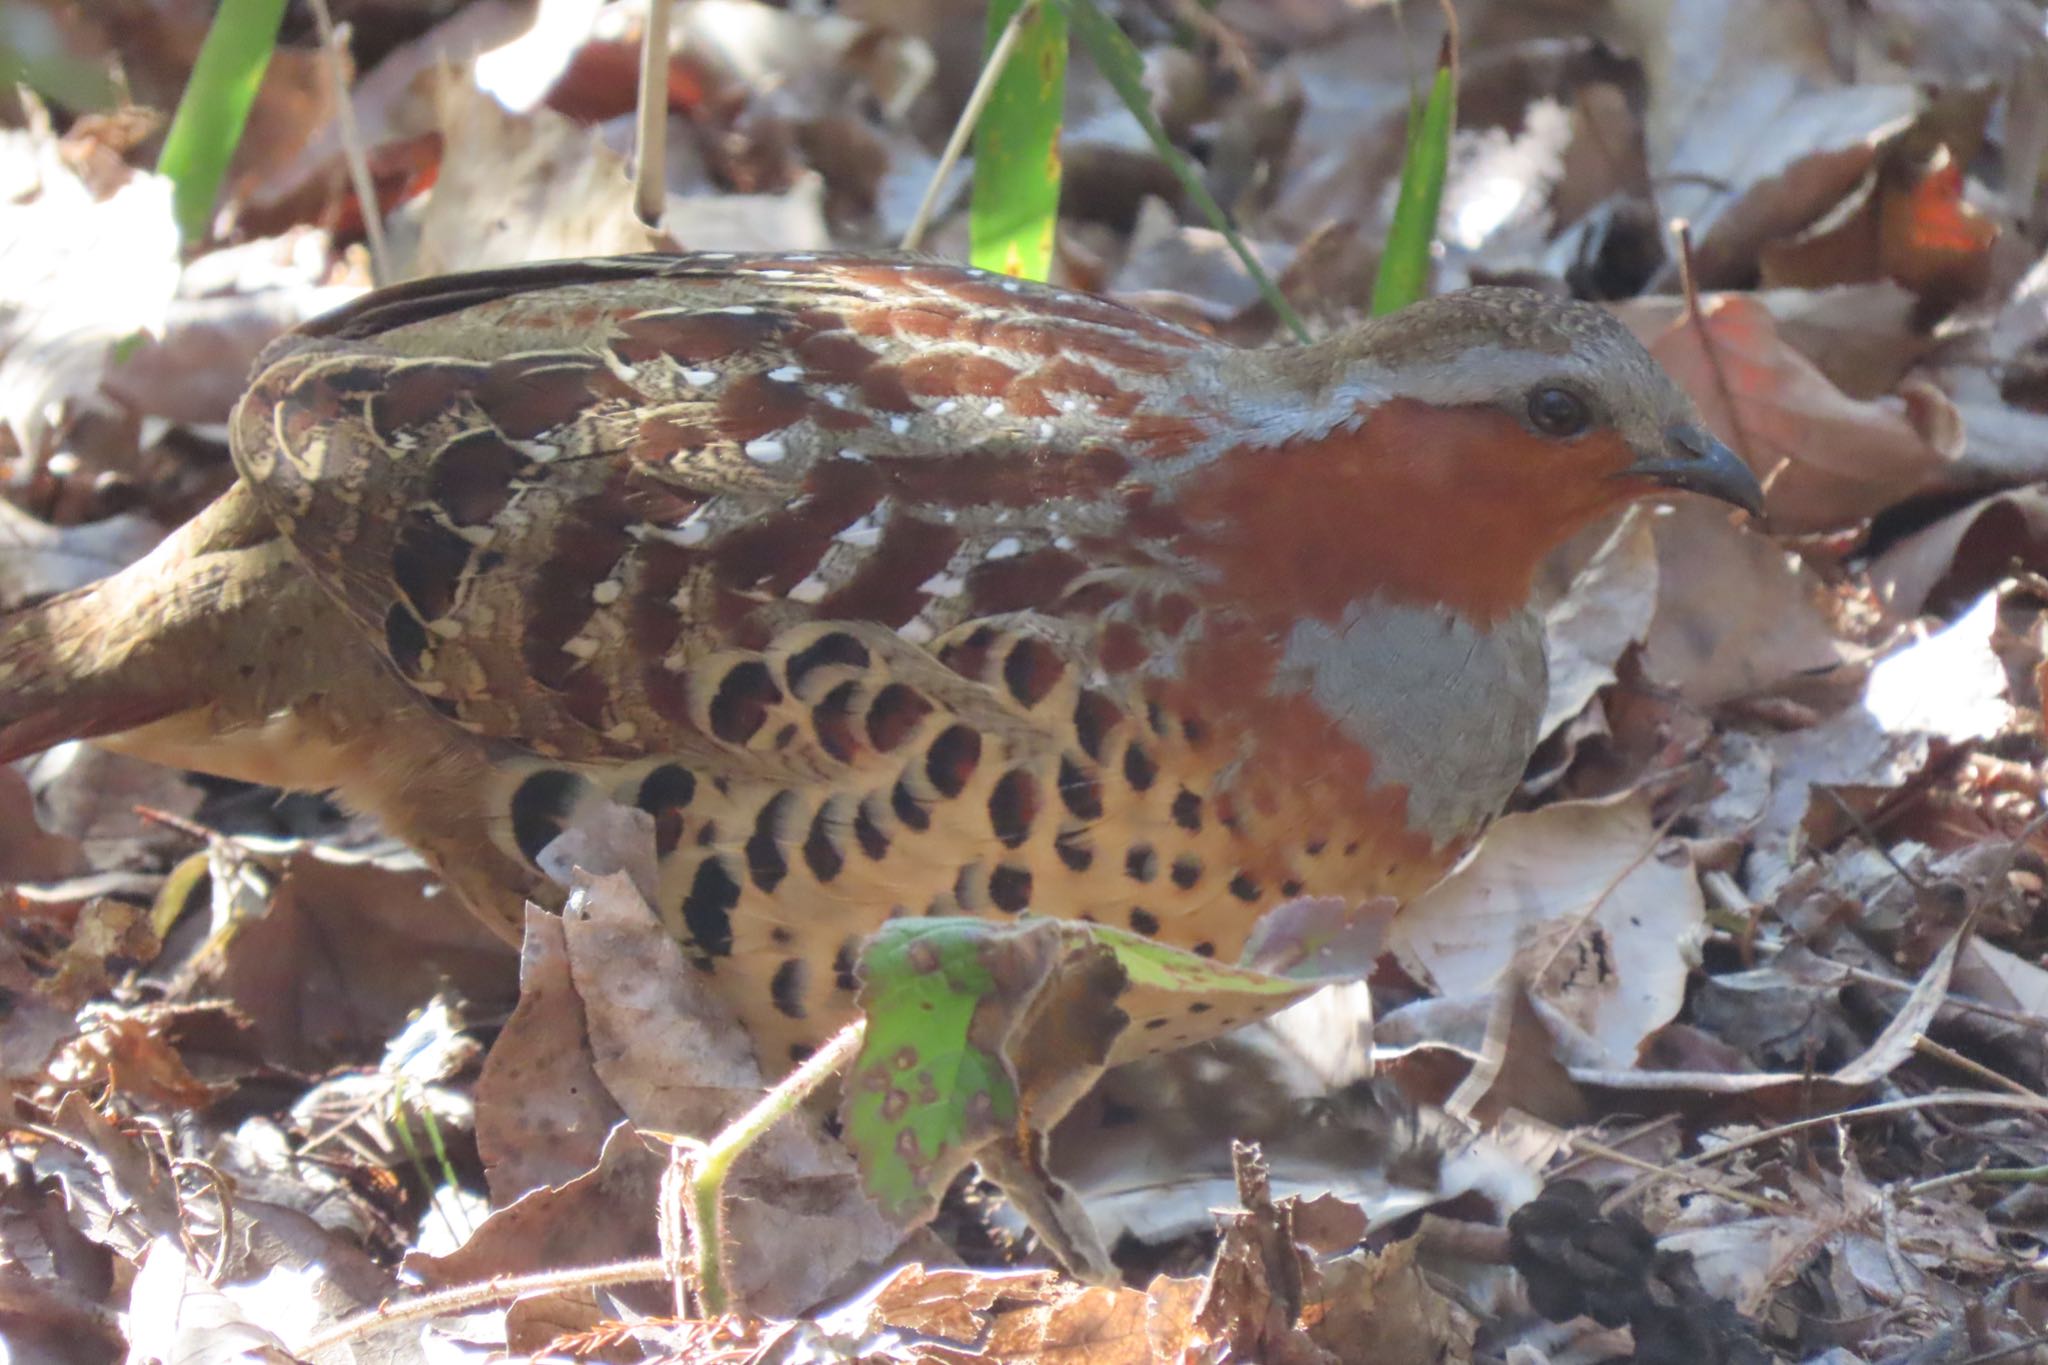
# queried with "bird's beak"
point(1694, 461)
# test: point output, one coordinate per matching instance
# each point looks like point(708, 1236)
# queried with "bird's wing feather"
point(569, 500)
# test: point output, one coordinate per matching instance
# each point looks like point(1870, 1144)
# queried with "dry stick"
point(1707, 1184)
point(223, 1198)
point(1585, 917)
point(1493, 1048)
point(1691, 287)
point(1921, 1188)
point(1960, 1098)
point(1961, 1003)
point(2013, 1175)
point(352, 148)
point(468, 1297)
point(956, 145)
point(1869, 836)
point(1928, 1047)
point(650, 125)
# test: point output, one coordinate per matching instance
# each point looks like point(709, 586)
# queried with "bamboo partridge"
point(886, 587)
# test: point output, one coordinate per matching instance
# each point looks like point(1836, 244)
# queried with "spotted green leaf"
point(966, 1017)
point(929, 1085)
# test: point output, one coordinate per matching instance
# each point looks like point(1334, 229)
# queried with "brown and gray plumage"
point(885, 587)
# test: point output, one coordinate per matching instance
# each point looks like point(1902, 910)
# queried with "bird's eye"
point(1558, 412)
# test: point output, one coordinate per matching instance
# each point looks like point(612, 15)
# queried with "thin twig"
point(956, 145)
point(650, 126)
point(1584, 917)
point(710, 1166)
point(1693, 1178)
point(1690, 286)
point(1962, 1003)
point(1928, 1047)
point(1862, 827)
point(465, 1298)
point(1921, 1188)
point(352, 146)
point(2014, 1175)
point(1493, 1049)
point(1964, 1099)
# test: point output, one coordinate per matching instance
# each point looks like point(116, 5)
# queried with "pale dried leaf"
point(518, 188)
point(1968, 549)
point(1608, 607)
point(1577, 898)
point(83, 274)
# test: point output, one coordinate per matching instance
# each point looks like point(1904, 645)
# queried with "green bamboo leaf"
point(1016, 199)
point(215, 106)
point(1124, 69)
point(1404, 263)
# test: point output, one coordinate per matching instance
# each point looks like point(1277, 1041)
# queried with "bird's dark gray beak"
point(1694, 461)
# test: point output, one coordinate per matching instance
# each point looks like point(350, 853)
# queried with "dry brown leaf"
point(1379, 1308)
point(1908, 221)
point(1861, 336)
point(95, 796)
point(34, 1028)
point(1890, 1246)
point(675, 1061)
point(1752, 131)
point(1950, 686)
point(541, 1111)
point(1890, 1050)
point(1827, 460)
point(329, 954)
point(1027, 1315)
point(27, 852)
point(605, 1214)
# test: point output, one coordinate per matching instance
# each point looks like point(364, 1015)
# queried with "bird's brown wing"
point(576, 503)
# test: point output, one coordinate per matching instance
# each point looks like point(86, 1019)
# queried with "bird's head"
point(1587, 399)
point(1440, 452)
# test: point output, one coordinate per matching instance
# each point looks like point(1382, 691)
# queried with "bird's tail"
point(154, 640)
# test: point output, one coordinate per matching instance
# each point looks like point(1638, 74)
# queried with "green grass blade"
point(215, 106)
point(1016, 199)
point(1404, 263)
point(1121, 66)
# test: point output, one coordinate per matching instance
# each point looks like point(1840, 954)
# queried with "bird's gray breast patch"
point(1446, 709)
